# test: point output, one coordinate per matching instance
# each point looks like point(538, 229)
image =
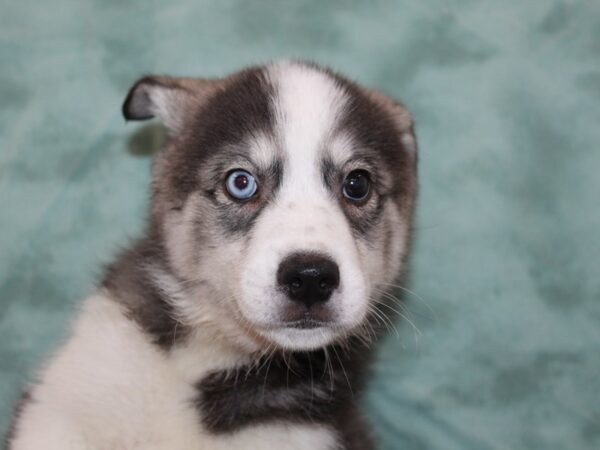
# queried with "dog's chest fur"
point(146, 398)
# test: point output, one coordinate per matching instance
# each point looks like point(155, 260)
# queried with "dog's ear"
point(399, 115)
point(169, 99)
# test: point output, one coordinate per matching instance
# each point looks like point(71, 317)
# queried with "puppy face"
point(283, 199)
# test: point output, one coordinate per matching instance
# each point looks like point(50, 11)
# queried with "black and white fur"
point(186, 345)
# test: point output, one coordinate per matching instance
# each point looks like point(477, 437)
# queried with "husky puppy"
point(242, 319)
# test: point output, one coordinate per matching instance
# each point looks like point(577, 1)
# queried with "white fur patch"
point(109, 388)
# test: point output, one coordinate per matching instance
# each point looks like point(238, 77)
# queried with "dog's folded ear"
point(399, 115)
point(169, 99)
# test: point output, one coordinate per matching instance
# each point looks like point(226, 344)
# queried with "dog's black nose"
point(308, 278)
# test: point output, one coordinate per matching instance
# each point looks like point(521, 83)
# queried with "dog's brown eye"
point(356, 185)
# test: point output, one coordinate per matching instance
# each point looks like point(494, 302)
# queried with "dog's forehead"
point(318, 115)
point(292, 114)
point(308, 104)
point(286, 111)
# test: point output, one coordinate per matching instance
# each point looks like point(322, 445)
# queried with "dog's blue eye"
point(241, 185)
point(356, 186)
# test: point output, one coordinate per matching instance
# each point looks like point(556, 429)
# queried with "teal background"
point(506, 96)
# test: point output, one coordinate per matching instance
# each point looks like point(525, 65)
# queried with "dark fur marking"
point(130, 283)
point(330, 174)
point(353, 430)
point(293, 388)
point(23, 401)
point(231, 115)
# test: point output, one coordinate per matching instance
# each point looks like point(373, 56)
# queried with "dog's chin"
point(298, 338)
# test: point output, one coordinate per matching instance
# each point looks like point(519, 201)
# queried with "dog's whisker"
point(396, 300)
point(343, 370)
point(416, 332)
point(330, 370)
point(413, 293)
point(270, 359)
point(403, 308)
point(400, 305)
point(312, 381)
point(386, 321)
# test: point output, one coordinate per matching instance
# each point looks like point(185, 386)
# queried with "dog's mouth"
point(300, 316)
point(304, 323)
point(303, 332)
point(302, 335)
point(298, 326)
point(308, 323)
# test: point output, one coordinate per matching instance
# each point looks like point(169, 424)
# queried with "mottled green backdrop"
point(506, 96)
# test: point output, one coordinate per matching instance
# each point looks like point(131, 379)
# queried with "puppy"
point(243, 318)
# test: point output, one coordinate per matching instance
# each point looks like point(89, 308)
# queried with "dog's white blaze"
point(129, 395)
point(305, 216)
point(308, 104)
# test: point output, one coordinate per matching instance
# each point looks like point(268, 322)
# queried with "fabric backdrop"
point(504, 347)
